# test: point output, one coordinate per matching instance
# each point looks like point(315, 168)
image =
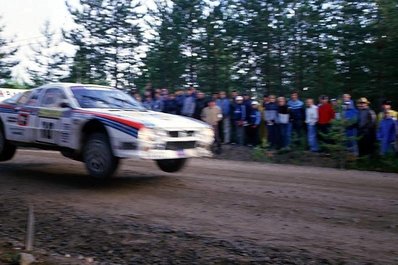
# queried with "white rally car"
point(99, 125)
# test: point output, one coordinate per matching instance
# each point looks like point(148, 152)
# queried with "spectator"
point(270, 117)
point(311, 118)
point(179, 96)
point(188, 107)
point(248, 104)
point(148, 102)
point(350, 114)
point(325, 117)
point(297, 113)
point(253, 123)
point(232, 100)
point(240, 120)
point(212, 115)
point(387, 132)
point(282, 121)
point(225, 105)
point(366, 128)
point(263, 132)
point(200, 104)
point(386, 106)
point(158, 104)
point(170, 104)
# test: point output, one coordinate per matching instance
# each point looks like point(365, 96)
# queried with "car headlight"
point(146, 134)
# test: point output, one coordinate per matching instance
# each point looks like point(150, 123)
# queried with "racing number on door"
point(47, 130)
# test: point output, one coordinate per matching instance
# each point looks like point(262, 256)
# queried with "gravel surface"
point(213, 212)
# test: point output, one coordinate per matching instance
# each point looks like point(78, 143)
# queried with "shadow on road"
point(74, 177)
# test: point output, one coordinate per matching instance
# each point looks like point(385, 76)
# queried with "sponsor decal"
point(48, 113)
point(23, 119)
point(17, 131)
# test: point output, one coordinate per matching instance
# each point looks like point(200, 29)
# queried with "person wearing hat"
point(239, 119)
point(366, 128)
point(252, 128)
point(349, 114)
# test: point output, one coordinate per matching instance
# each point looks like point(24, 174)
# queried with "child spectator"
point(387, 132)
point(311, 119)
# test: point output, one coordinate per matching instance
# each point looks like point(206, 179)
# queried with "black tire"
point(7, 150)
point(171, 165)
point(98, 156)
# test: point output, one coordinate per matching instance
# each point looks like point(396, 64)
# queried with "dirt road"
point(214, 211)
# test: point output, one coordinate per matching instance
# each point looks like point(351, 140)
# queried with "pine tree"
point(49, 62)
point(7, 58)
point(107, 38)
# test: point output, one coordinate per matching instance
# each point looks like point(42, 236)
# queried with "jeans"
point(240, 135)
point(272, 135)
point(226, 124)
point(312, 139)
point(283, 130)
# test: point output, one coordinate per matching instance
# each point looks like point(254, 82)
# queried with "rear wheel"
point(7, 150)
point(171, 165)
point(98, 157)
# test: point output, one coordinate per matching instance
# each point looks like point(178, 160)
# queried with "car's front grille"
point(180, 145)
point(176, 134)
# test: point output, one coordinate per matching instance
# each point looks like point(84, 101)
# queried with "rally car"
point(99, 125)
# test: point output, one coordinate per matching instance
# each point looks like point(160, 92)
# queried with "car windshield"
point(105, 98)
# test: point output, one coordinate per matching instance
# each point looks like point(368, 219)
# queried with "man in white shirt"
point(311, 118)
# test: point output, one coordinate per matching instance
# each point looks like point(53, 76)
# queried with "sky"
point(23, 20)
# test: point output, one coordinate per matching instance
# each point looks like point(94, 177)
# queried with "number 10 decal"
point(47, 130)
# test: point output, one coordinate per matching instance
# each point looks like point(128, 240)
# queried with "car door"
point(48, 124)
point(20, 122)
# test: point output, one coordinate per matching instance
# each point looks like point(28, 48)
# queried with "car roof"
point(68, 85)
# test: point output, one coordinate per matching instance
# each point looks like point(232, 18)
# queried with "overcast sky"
point(23, 20)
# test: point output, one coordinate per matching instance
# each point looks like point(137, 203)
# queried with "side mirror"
point(64, 105)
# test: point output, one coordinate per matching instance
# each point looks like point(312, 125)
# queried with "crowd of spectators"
point(279, 122)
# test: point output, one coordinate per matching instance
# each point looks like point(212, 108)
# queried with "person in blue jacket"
point(386, 133)
point(297, 115)
point(239, 119)
point(350, 114)
point(253, 123)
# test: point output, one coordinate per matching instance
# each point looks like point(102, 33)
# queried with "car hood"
point(153, 119)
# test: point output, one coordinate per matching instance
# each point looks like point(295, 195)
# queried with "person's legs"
point(227, 130)
point(312, 140)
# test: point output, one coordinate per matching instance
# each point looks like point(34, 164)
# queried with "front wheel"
point(7, 150)
point(171, 165)
point(98, 156)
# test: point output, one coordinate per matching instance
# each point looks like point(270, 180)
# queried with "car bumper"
point(157, 154)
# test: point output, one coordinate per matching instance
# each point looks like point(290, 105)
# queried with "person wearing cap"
point(366, 128)
point(212, 115)
point(349, 114)
point(386, 106)
point(386, 133)
point(253, 123)
point(239, 118)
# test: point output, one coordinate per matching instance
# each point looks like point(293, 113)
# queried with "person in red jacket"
point(325, 116)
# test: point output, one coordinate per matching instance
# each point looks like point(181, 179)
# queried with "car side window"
point(24, 98)
point(52, 98)
point(34, 97)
